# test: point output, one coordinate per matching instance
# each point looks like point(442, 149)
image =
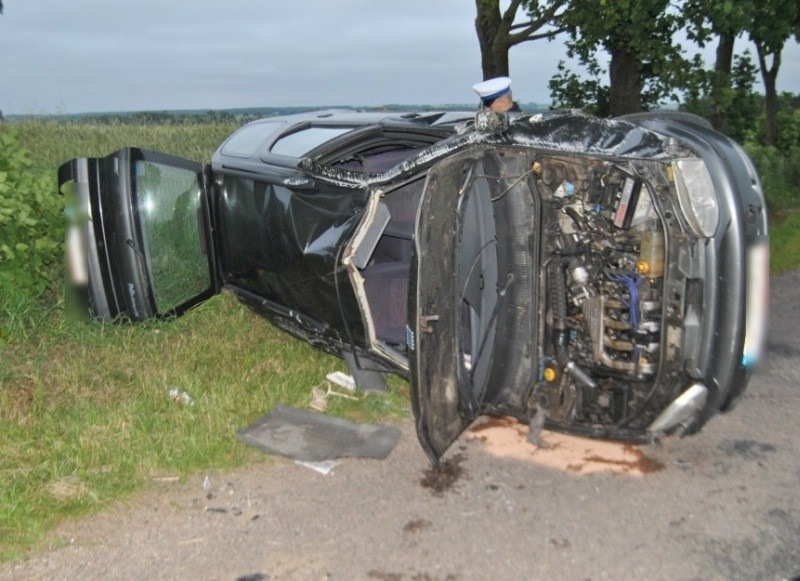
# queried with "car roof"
point(251, 143)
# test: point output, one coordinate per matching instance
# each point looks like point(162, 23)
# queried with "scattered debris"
point(342, 379)
point(747, 449)
point(179, 396)
point(320, 394)
point(561, 543)
point(311, 436)
point(207, 485)
point(254, 577)
point(537, 427)
point(324, 467)
point(382, 576)
point(319, 400)
point(165, 478)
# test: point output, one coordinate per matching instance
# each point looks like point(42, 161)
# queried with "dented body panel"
point(598, 276)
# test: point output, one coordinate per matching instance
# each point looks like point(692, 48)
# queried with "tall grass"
point(780, 175)
point(52, 142)
point(85, 415)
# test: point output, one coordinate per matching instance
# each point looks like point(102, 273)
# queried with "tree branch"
point(548, 35)
point(527, 33)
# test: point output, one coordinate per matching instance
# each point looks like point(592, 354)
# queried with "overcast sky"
point(77, 56)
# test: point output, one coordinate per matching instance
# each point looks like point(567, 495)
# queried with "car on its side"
point(606, 277)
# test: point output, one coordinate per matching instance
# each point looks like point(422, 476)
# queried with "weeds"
point(85, 416)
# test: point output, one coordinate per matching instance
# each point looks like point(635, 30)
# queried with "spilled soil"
point(507, 438)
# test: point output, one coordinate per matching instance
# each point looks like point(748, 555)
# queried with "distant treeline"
point(181, 117)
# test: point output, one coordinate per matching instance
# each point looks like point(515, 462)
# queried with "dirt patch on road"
point(441, 478)
point(508, 438)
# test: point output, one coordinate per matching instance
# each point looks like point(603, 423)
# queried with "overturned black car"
point(609, 275)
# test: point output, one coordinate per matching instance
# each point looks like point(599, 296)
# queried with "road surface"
point(724, 504)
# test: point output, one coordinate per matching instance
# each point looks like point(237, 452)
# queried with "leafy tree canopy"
point(645, 64)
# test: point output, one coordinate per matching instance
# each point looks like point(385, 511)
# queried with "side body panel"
point(280, 248)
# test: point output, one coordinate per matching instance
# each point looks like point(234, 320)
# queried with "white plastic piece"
point(342, 379)
point(324, 467)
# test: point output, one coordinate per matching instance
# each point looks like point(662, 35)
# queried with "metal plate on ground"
point(312, 436)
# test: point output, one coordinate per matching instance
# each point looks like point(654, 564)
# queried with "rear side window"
point(168, 200)
point(301, 142)
point(249, 139)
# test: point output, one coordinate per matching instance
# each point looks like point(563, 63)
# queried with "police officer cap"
point(491, 89)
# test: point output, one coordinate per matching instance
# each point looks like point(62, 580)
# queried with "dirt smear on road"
point(443, 476)
point(507, 438)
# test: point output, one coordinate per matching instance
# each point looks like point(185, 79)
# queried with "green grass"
point(51, 143)
point(85, 416)
point(784, 243)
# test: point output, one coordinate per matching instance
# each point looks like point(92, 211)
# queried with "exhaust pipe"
point(681, 411)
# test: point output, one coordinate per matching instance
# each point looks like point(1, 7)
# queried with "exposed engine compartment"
point(603, 257)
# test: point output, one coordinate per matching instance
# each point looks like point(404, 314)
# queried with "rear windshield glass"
point(301, 142)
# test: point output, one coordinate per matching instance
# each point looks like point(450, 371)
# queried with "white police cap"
point(493, 88)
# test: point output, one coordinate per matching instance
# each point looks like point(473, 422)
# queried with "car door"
point(139, 241)
point(453, 301)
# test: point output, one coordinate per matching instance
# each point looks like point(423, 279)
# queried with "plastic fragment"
point(324, 467)
point(179, 396)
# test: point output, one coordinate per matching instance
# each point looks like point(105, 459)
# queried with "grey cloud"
point(106, 55)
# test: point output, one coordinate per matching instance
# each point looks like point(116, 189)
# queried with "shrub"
point(31, 231)
point(780, 173)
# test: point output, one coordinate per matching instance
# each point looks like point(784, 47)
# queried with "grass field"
point(87, 419)
point(85, 416)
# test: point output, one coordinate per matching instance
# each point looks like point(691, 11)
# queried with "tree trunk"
point(626, 83)
point(769, 75)
point(722, 81)
point(493, 39)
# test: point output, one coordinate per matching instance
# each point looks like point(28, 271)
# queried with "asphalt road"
point(724, 504)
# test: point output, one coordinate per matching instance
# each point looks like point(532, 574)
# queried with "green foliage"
point(569, 90)
point(779, 171)
point(729, 94)
point(788, 125)
point(31, 231)
point(784, 243)
point(646, 66)
point(51, 142)
point(708, 19)
point(788, 130)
